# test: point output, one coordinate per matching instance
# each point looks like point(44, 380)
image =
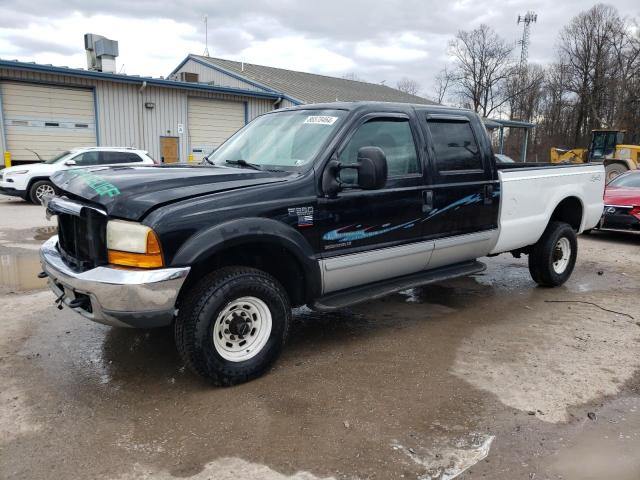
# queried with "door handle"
point(427, 201)
point(488, 194)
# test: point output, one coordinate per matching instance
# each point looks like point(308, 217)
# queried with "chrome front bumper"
point(118, 297)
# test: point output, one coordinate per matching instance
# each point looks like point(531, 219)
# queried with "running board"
point(372, 291)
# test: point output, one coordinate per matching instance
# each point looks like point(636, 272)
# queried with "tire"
point(39, 189)
point(553, 257)
point(613, 170)
point(212, 323)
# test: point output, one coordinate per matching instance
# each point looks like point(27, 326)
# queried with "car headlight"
point(17, 172)
point(132, 244)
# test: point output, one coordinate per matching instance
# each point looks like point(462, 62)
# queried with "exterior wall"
point(122, 118)
point(208, 75)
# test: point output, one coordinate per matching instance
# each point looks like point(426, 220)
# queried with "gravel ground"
point(481, 377)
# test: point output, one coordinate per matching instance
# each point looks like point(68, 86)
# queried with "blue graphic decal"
point(360, 232)
point(345, 234)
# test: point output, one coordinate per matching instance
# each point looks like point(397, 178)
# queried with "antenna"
point(526, 19)
point(206, 36)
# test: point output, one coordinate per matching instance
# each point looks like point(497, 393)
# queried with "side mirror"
point(371, 167)
point(70, 163)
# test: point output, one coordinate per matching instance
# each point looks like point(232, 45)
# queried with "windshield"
point(629, 180)
point(283, 140)
point(57, 157)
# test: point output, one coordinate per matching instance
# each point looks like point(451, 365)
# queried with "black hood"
point(130, 192)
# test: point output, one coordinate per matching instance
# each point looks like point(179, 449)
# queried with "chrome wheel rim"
point(242, 329)
point(44, 191)
point(561, 255)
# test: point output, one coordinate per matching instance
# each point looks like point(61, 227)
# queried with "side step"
point(372, 291)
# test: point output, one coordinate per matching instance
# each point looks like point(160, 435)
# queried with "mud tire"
point(201, 307)
point(544, 255)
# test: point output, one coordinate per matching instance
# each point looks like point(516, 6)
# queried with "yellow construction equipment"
point(606, 147)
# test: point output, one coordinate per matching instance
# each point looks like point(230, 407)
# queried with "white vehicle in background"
point(32, 182)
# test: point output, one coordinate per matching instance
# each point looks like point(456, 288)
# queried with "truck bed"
point(532, 191)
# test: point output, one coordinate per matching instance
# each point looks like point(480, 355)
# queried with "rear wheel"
point(232, 325)
point(553, 257)
point(41, 189)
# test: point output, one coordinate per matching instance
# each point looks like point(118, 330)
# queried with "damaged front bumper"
point(113, 296)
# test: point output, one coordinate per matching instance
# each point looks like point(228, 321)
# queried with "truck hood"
point(130, 192)
point(622, 196)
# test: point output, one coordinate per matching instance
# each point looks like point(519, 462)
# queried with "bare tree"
point(443, 82)
point(408, 85)
point(483, 64)
point(588, 49)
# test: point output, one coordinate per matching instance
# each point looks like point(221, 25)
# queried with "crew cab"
point(323, 205)
point(32, 181)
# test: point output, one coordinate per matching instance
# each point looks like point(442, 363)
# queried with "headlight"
point(132, 244)
point(17, 172)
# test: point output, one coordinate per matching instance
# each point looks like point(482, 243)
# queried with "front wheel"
point(232, 325)
point(553, 257)
point(40, 190)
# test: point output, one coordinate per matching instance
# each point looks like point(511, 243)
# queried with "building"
point(45, 109)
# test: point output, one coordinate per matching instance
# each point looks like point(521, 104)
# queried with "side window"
point(395, 139)
point(87, 158)
point(455, 146)
point(111, 158)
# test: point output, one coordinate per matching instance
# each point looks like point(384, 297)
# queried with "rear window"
point(455, 146)
point(110, 158)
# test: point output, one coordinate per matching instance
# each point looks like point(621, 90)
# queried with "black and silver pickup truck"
point(321, 205)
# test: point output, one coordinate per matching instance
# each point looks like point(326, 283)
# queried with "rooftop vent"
point(101, 53)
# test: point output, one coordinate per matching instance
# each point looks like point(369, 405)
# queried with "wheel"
point(612, 170)
point(41, 189)
point(232, 325)
point(553, 257)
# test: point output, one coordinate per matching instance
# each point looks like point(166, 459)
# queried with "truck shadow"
point(150, 356)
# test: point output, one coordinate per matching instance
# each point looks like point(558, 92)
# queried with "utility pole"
point(526, 19)
point(206, 37)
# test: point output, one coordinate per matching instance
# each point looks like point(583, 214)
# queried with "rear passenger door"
point(463, 220)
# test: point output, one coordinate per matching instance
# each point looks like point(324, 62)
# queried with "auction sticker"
point(321, 120)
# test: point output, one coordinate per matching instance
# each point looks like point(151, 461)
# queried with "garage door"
point(46, 119)
point(211, 122)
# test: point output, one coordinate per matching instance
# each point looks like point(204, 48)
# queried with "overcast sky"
point(378, 40)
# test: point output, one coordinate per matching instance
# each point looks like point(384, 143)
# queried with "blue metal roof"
point(117, 77)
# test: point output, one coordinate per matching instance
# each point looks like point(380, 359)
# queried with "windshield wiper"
point(243, 163)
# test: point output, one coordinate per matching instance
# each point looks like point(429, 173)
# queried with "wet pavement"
point(480, 377)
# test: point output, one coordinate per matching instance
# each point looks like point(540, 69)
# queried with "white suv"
point(31, 181)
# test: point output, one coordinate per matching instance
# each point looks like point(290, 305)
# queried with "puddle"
point(20, 272)
point(45, 233)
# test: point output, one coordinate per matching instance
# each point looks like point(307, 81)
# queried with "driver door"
point(371, 235)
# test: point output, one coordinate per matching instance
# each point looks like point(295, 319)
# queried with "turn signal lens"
point(635, 211)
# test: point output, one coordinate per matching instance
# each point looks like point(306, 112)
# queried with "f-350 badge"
point(304, 214)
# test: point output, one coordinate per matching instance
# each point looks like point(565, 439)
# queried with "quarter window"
point(395, 139)
point(455, 146)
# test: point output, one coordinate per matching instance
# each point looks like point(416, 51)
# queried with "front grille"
point(82, 239)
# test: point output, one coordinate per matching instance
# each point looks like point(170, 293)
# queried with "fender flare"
point(217, 238)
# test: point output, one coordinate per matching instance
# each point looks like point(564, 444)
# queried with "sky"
point(377, 40)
